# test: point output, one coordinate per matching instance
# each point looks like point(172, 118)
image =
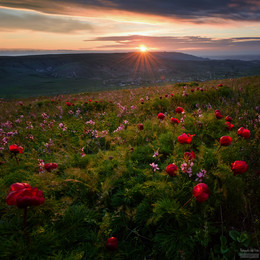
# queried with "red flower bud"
point(218, 115)
point(189, 156)
point(111, 243)
point(239, 167)
point(225, 141)
point(171, 169)
point(175, 121)
point(201, 192)
point(228, 118)
point(50, 166)
point(179, 110)
point(229, 125)
point(68, 104)
point(140, 126)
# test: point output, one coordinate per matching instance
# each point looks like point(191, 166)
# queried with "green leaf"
point(223, 248)
point(234, 234)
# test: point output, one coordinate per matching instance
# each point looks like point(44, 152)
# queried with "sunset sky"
point(199, 27)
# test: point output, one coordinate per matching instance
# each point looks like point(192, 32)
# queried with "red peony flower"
point(50, 166)
point(141, 100)
point(175, 121)
point(192, 90)
point(228, 118)
point(23, 195)
point(218, 114)
point(185, 138)
point(201, 192)
point(240, 131)
point(220, 85)
point(140, 126)
point(229, 125)
point(225, 140)
point(239, 167)
point(243, 132)
point(15, 149)
point(171, 169)
point(179, 110)
point(246, 133)
point(68, 104)
point(161, 116)
point(189, 156)
point(111, 243)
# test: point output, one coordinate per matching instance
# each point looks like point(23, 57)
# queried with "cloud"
point(197, 11)
point(185, 43)
point(25, 20)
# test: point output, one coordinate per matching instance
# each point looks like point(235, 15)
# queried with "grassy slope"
point(112, 190)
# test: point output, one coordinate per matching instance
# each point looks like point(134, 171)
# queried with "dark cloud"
point(195, 10)
point(13, 20)
point(191, 43)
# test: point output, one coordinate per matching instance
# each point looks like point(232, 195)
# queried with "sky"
point(198, 27)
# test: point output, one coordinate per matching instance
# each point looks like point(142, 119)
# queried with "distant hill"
point(236, 57)
point(67, 73)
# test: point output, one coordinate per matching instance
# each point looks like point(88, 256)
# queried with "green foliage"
point(160, 105)
point(111, 178)
point(166, 143)
point(142, 156)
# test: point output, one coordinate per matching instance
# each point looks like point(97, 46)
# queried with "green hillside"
point(104, 163)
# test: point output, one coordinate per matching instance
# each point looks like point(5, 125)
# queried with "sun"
point(143, 48)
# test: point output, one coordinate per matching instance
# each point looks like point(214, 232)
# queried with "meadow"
point(148, 167)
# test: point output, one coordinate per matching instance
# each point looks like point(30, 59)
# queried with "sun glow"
point(143, 48)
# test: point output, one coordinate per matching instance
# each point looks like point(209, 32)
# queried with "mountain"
point(67, 73)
